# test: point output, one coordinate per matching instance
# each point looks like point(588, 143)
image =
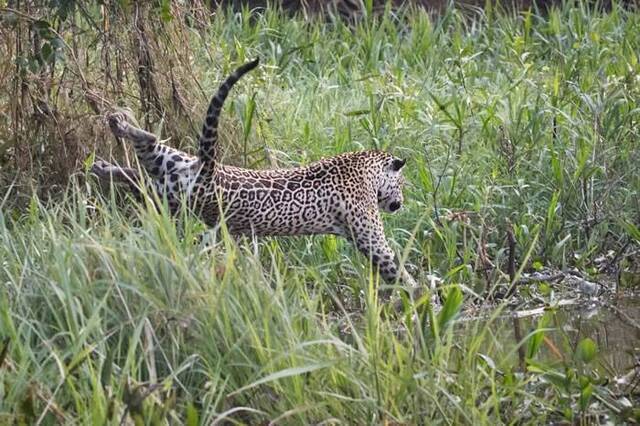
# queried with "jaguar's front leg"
point(382, 258)
point(367, 233)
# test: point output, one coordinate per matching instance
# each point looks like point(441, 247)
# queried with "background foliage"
point(519, 126)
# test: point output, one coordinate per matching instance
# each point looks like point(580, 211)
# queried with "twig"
point(517, 333)
point(624, 317)
point(41, 394)
point(90, 96)
point(618, 255)
point(5, 350)
point(434, 195)
point(511, 266)
point(539, 310)
point(137, 398)
point(542, 278)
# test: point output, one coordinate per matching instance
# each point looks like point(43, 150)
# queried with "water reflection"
point(613, 324)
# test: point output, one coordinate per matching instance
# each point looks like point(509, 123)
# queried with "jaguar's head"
point(390, 185)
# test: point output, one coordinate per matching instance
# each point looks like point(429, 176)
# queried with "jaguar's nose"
point(394, 206)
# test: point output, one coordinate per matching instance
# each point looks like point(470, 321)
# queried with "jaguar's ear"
point(397, 164)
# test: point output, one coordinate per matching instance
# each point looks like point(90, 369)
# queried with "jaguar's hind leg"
point(125, 175)
point(159, 160)
point(107, 171)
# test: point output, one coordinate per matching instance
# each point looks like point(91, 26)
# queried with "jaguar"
point(341, 195)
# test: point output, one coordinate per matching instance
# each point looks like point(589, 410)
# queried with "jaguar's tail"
point(208, 152)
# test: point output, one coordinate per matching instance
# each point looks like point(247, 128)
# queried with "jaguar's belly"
point(280, 219)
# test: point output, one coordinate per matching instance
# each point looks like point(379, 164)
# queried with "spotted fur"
point(207, 143)
point(341, 195)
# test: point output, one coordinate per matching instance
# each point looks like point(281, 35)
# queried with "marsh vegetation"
point(521, 130)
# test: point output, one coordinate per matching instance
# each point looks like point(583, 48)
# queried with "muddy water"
point(614, 325)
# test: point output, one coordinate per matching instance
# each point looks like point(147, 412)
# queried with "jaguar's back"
point(306, 200)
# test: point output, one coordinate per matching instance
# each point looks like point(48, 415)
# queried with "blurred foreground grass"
point(510, 122)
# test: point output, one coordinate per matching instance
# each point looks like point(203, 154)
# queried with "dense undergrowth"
point(515, 125)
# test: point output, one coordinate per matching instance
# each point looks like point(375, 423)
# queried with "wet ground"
point(571, 309)
point(613, 324)
point(576, 308)
point(569, 306)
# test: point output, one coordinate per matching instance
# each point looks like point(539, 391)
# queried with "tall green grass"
point(111, 311)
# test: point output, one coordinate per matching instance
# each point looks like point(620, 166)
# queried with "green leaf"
point(41, 25)
point(107, 367)
point(451, 307)
point(79, 358)
point(249, 113)
point(537, 336)
point(192, 417)
point(34, 209)
point(544, 288)
point(586, 350)
point(368, 7)
point(46, 51)
point(88, 162)
point(247, 120)
point(556, 167)
point(165, 10)
point(631, 229)
point(33, 65)
point(552, 215)
point(585, 396)
point(43, 28)
point(533, 345)
point(584, 381)
point(357, 112)
point(425, 177)
point(287, 372)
